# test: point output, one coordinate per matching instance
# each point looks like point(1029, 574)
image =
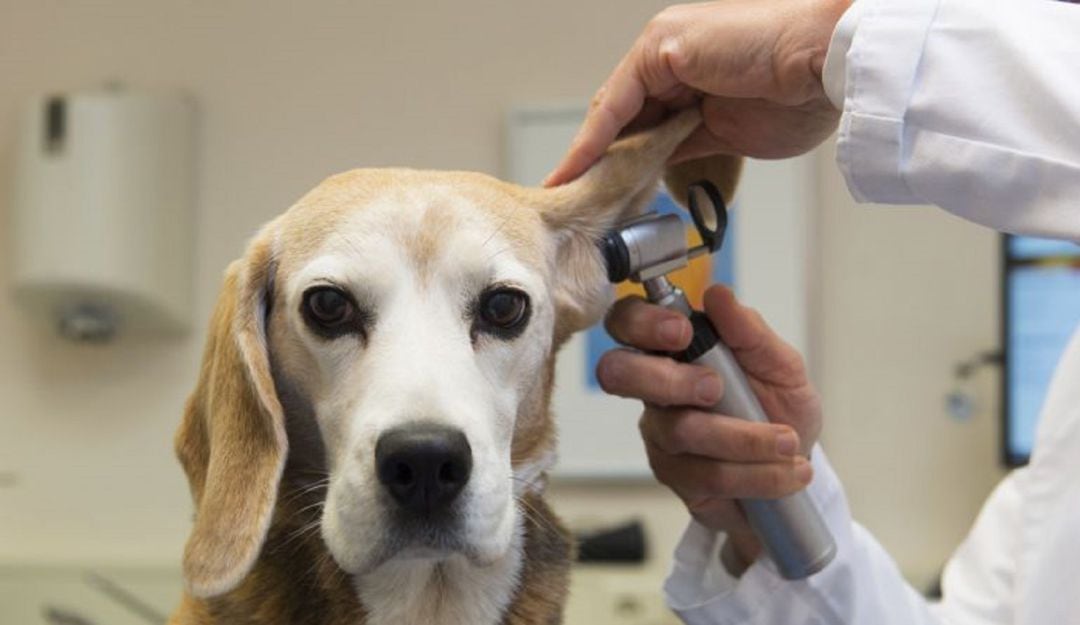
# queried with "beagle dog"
point(370, 432)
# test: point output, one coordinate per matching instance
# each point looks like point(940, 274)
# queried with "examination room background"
point(289, 92)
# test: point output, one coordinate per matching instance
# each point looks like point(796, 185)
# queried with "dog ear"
point(232, 441)
point(617, 187)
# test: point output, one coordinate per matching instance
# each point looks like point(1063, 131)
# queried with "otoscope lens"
point(709, 212)
point(702, 204)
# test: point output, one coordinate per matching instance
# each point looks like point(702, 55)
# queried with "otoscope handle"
point(791, 529)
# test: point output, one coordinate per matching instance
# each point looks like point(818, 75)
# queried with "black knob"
point(423, 466)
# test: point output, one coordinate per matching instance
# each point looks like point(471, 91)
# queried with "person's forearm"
point(971, 105)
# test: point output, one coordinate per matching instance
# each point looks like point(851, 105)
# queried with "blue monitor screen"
point(1041, 312)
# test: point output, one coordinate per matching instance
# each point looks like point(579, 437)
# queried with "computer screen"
point(1041, 310)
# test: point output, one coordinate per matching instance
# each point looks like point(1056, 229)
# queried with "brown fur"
point(255, 466)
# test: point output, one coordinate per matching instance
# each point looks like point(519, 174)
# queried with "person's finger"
point(717, 513)
point(658, 379)
point(643, 73)
point(652, 112)
point(760, 351)
point(725, 515)
point(694, 477)
point(693, 432)
point(612, 108)
point(633, 321)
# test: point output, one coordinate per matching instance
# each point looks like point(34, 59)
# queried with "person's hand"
point(710, 460)
point(753, 67)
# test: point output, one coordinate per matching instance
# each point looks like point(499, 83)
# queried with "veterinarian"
point(971, 105)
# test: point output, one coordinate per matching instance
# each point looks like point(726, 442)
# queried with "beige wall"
point(289, 92)
point(903, 295)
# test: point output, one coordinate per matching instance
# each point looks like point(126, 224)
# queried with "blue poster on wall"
point(693, 279)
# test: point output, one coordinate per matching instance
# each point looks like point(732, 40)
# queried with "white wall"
point(289, 92)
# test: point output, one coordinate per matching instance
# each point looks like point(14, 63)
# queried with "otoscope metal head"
point(645, 244)
point(791, 529)
point(653, 245)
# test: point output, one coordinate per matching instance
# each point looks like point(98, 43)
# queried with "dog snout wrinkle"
point(423, 466)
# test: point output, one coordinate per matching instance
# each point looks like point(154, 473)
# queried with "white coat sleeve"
point(970, 105)
point(979, 583)
point(861, 585)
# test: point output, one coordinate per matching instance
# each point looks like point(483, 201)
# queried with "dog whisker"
point(505, 249)
point(305, 489)
point(310, 485)
point(305, 529)
point(497, 229)
point(531, 485)
point(536, 516)
point(350, 244)
point(319, 566)
point(317, 504)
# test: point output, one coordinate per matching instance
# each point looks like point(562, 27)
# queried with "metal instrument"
point(645, 250)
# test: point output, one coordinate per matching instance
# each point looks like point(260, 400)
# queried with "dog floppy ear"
point(722, 170)
point(617, 187)
point(232, 441)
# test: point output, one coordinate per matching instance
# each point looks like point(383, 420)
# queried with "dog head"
point(398, 329)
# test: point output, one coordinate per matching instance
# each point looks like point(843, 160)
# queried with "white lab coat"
point(972, 105)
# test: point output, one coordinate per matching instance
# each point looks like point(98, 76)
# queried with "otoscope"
point(644, 250)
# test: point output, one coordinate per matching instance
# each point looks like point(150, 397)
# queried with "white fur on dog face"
point(419, 362)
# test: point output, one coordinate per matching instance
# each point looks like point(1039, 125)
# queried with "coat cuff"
point(873, 61)
point(701, 590)
point(833, 73)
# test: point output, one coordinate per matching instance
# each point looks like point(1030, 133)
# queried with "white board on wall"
point(598, 433)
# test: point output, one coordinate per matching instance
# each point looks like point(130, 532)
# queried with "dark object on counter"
point(59, 616)
point(622, 544)
point(125, 598)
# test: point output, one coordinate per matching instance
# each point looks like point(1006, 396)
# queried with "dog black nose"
point(423, 466)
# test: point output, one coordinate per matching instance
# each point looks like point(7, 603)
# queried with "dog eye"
point(328, 308)
point(504, 308)
point(503, 311)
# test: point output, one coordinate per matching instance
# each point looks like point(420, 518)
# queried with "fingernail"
point(708, 389)
point(787, 444)
point(804, 472)
point(671, 331)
